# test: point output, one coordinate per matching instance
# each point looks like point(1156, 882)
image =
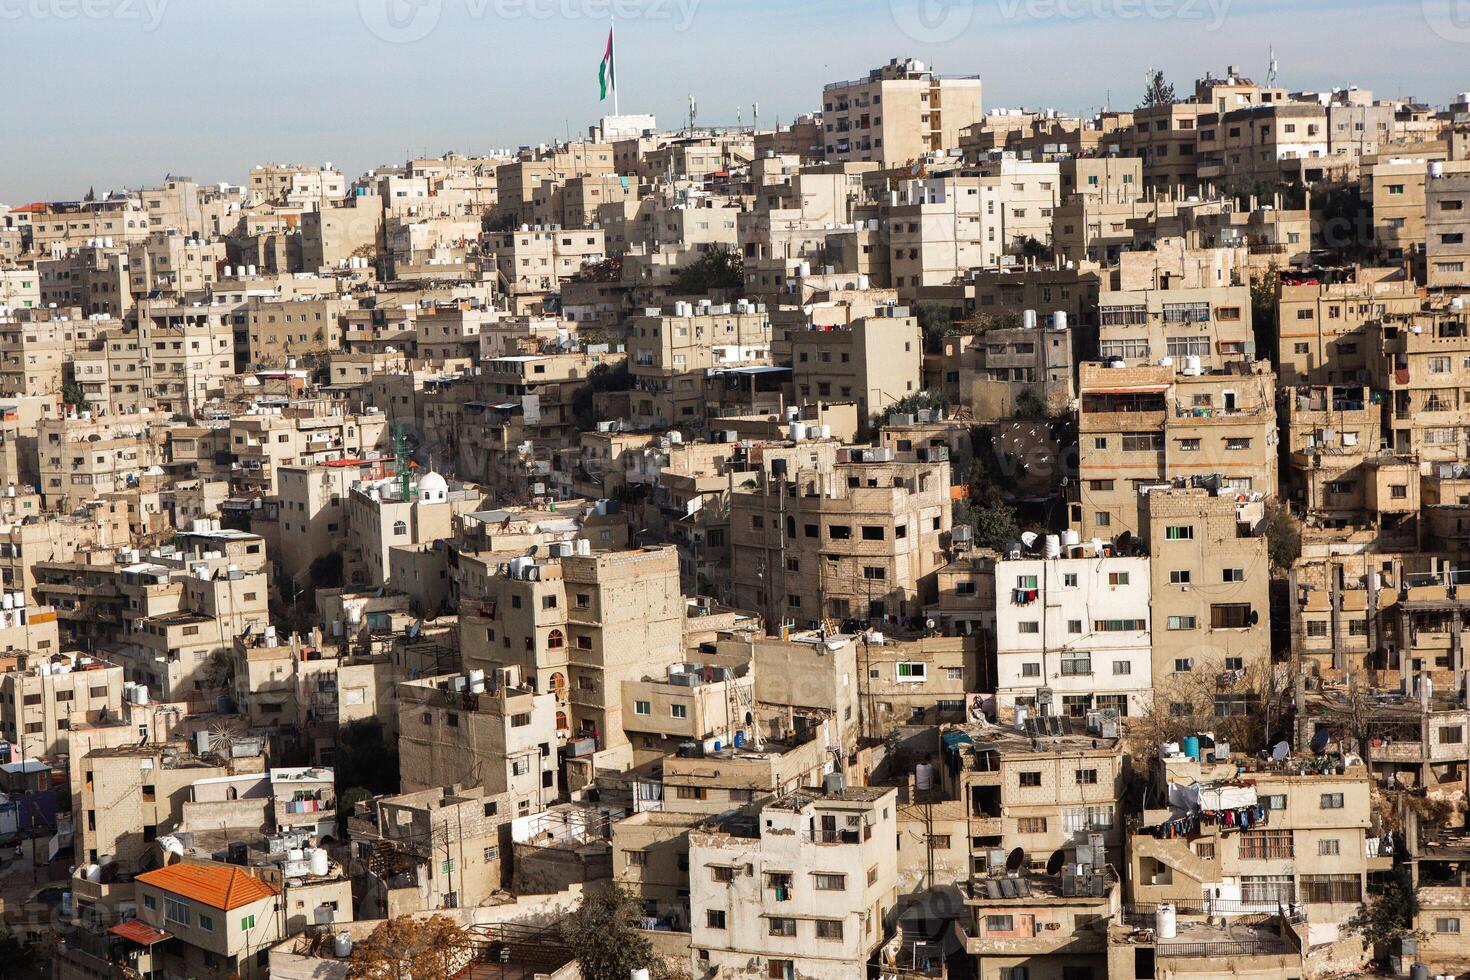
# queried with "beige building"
point(1322, 337)
point(670, 355)
point(800, 887)
point(1446, 222)
point(855, 538)
point(1144, 426)
point(219, 916)
point(897, 114)
point(873, 361)
point(1143, 326)
point(39, 695)
point(1210, 596)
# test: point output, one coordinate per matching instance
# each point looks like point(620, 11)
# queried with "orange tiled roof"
point(220, 886)
point(139, 932)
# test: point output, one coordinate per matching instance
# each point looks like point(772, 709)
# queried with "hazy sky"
point(112, 93)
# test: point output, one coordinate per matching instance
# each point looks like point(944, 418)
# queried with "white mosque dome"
point(433, 488)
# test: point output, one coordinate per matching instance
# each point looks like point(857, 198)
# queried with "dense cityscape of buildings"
point(918, 542)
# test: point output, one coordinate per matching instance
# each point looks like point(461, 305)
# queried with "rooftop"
point(220, 886)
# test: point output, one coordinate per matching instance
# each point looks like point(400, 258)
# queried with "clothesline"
point(1244, 818)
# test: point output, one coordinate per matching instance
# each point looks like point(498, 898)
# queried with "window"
point(1086, 777)
point(1336, 889)
point(1117, 578)
point(1329, 847)
point(780, 969)
point(1121, 667)
point(1317, 628)
point(1183, 623)
point(829, 928)
point(912, 671)
point(873, 532)
point(1233, 575)
point(1179, 577)
point(781, 926)
point(678, 711)
point(1182, 532)
point(1031, 670)
point(176, 911)
point(247, 922)
point(1030, 825)
point(1119, 625)
point(1275, 801)
point(828, 882)
point(1077, 818)
point(1447, 925)
point(1029, 626)
point(1231, 616)
point(1143, 442)
point(1451, 735)
point(1331, 801)
point(1267, 889)
point(1000, 923)
point(1074, 626)
point(642, 708)
point(714, 918)
point(1076, 663)
point(1031, 779)
point(1265, 845)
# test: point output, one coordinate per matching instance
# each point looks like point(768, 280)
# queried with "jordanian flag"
point(607, 75)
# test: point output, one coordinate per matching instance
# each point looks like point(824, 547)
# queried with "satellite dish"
point(1055, 862)
point(1124, 539)
point(1028, 538)
point(531, 552)
point(1016, 859)
point(1280, 752)
point(1320, 738)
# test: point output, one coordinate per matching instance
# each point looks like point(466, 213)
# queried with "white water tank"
point(477, 682)
point(1071, 538)
point(1436, 169)
point(1053, 546)
point(342, 945)
point(1028, 319)
point(796, 431)
point(319, 862)
point(923, 777)
point(296, 855)
point(140, 694)
point(1166, 921)
point(1059, 320)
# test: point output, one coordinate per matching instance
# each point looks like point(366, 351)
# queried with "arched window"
point(555, 640)
point(400, 527)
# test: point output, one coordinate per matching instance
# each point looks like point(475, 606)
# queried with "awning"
point(1128, 390)
point(139, 932)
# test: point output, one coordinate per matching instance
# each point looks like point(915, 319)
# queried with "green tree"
point(603, 935)
point(936, 321)
point(719, 268)
point(72, 394)
point(1265, 311)
point(1158, 91)
point(1283, 536)
point(1388, 916)
point(326, 571)
point(995, 525)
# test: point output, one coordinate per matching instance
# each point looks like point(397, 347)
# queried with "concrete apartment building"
point(219, 915)
point(1142, 326)
point(579, 628)
point(873, 361)
point(1027, 193)
point(185, 354)
point(1073, 634)
point(688, 702)
point(279, 331)
point(40, 694)
point(1210, 594)
point(312, 509)
point(939, 228)
point(800, 887)
point(1446, 223)
point(533, 262)
point(1264, 142)
point(897, 114)
point(493, 733)
point(1143, 426)
point(1002, 371)
point(82, 458)
point(379, 517)
point(670, 354)
point(1322, 338)
point(261, 441)
point(1419, 366)
point(857, 538)
point(434, 849)
point(1315, 846)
